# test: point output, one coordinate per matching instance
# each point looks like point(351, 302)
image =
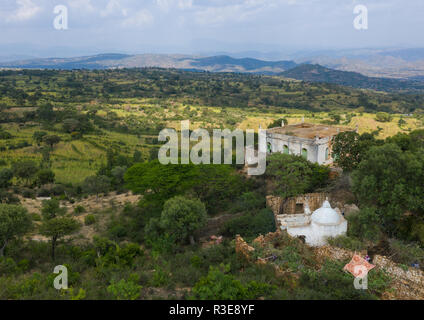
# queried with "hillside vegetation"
point(81, 186)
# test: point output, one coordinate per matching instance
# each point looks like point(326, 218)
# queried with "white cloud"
point(166, 5)
point(139, 19)
point(84, 6)
point(185, 4)
point(242, 11)
point(25, 11)
point(113, 7)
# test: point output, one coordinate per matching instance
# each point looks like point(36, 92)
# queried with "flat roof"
point(308, 130)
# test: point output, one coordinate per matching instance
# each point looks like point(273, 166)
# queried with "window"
point(326, 154)
point(269, 147)
point(286, 149)
point(299, 208)
point(305, 153)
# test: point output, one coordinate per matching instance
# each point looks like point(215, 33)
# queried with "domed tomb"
point(326, 215)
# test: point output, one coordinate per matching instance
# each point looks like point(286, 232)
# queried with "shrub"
point(79, 209)
point(248, 201)
point(28, 193)
point(183, 217)
point(218, 285)
point(89, 219)
point(125, 290)
point(364, 225)
point(251, 224)
point(346, 242)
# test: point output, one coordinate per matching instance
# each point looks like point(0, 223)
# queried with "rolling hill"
point(318, 73)
point(107, 61)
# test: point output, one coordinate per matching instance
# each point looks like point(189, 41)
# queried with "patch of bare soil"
point(91, 204)
point(214, 225)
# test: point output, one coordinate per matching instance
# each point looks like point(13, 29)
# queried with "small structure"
point(324, 222)
point(312, 141)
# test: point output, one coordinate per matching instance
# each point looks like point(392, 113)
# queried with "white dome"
point(325, 214)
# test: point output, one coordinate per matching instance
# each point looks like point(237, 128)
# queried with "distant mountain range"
point(106, 61)
point(225, 63)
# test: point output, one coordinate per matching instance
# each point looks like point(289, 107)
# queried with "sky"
point(203, 26)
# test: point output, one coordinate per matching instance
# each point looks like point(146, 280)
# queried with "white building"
point(324, 222)
point(312, 141)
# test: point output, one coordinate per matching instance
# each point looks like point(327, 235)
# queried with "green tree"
point(349, 148)
point(335, 117)
point(383, 117)
point(390, 180)
point(118, 174)
point(96, 185)
point(51, 140)
point(137, 157)
point(25, 170)
point(213, 185)
point(401, 122)
point(290, 174)
point(71, 125)
point(46, 113)
point(365, 224)
point(38, 136)
point(58, 227)
point(14, 222)
point(278, 122)
point(6, 176)
point(52, 209)
point(45, 176)
point(181, 217)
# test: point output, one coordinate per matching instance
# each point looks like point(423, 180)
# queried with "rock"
point(350, 209)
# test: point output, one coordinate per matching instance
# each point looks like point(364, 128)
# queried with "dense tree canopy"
point(293, 175)
point(14, 222)
point(391, 180)
point(181, 217)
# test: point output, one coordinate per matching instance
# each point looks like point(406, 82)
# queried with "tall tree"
point(14, 222)
point(58, 227)
point(181, 217)
point(25, 170)
point(391, 180)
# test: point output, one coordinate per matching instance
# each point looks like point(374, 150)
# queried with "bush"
point(383, 117)
point(125, 290)
point(364, 225)
point(79, 209)
point(347, 243)
point(183, 217)
point(89, 219)
point(218, 285)
point(28, 193)
point(44, 192)
point(248, 201)
point(250, 225)
point(406, 253)
point(331, 283)
point(45, 176)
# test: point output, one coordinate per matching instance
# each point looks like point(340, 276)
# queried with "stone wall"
point(314, 200)
point(279, 206)
point(275, 204)
point(245, 251)
point(407, 284)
